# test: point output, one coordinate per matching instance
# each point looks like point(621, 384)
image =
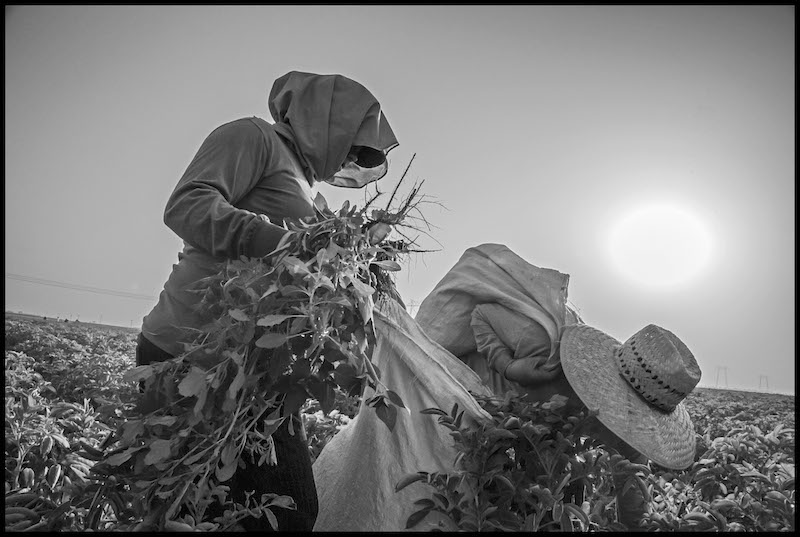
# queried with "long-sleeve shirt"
point(242, 170)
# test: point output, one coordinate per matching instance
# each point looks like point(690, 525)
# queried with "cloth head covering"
point(493, 273)
point(323, 116)
point(637, 387)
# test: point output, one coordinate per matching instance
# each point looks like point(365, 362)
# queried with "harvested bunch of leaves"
point(294, 325)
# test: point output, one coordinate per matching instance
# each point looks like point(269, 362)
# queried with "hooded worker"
point(248, 176)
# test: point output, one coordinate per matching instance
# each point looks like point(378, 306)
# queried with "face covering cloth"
point(354, 176)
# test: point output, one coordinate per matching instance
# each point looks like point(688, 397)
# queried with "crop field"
point(64, 395)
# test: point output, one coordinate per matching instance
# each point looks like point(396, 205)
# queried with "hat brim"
point(587, 358)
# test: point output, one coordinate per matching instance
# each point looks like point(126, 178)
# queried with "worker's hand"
point(376, 233)
point(539, 384)
point(524, 371)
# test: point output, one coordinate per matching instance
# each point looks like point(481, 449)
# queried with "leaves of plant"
point(271, 340)
point(228, 463)
point(394, 398)
point(295, 398)
point(387, 414)
point(142, 372)
point(119, 458)
point(272, 320)
point(388, 265)
point(324, 394)
point(193, 382)
point(416, 517)
point(286, 502)
point(409, 479)
point(236, 383)
point(238, 315)
point(159, 450)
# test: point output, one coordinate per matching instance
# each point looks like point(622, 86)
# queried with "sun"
point(660, 245)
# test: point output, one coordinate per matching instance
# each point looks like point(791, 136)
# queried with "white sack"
point(358, 469)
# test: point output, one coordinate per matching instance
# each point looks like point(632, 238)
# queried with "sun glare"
point(660, 245)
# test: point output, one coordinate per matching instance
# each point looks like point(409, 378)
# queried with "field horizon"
point(137, 329)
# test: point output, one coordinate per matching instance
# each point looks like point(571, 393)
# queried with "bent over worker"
point(510, 322)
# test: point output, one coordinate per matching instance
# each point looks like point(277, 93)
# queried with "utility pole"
point(721, 369)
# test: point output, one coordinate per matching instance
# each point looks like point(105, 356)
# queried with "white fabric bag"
point(357, 471)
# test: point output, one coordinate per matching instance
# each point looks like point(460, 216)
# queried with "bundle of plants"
point(292, 326)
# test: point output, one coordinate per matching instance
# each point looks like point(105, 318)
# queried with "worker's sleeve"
point(487, 341)
point(201, 210)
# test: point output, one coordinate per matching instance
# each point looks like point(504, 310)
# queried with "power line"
point(75, 287)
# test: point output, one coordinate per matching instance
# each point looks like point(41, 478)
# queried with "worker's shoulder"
point(246, 127)
point(246, 124)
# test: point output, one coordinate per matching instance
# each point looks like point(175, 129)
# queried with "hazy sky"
point(544, 128)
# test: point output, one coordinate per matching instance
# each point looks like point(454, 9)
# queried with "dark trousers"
point(291, 477)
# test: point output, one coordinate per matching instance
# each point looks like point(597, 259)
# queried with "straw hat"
point(637, 387)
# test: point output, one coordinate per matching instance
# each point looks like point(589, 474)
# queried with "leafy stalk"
point(293, 325)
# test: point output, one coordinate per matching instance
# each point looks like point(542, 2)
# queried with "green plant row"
point(533, 469)
point(742, 480)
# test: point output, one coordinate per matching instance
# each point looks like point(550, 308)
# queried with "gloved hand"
point(378, 232)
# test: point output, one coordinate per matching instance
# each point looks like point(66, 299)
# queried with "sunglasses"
point(366, 157)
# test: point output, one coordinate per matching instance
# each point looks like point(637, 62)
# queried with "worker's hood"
point(323, 116)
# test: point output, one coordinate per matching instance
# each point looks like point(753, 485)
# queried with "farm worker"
point(246, 178)
point(509, 321)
